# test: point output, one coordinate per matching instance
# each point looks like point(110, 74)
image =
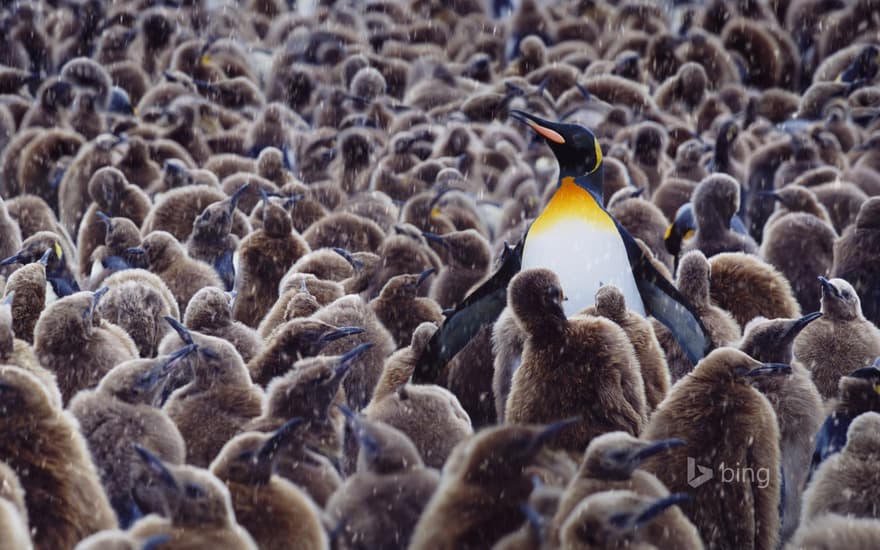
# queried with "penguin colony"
point(425, 274)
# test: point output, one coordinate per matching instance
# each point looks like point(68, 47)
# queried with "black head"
point(576, 149)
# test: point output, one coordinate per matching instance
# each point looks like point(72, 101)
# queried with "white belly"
point(585, 259)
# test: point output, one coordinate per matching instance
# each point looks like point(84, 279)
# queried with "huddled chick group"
point(229, 231)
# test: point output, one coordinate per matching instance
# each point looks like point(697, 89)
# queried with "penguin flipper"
point(665, 303)
point(830, 439)
point(479, 308)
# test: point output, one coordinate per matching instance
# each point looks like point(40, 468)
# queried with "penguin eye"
point(194, 491)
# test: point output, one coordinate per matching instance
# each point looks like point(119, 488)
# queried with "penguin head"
point(692, 279)
point(576, 149)
point(731, 366)
point(193, 497)
point(536, 296)
point(861, 437)
point(214, 222)
point(860, 389)
point(405, 286)
point(839, 301)
point(161, 250)
point(249, 457)
point(107, 188)
point(771, 340)
point(138, 381)
point(23, 398)
point(121, 234)
point(615, 455)
point(869, 214)
point(610, 303)
point(70, 320)
point(213, 360)
point(796, 198)
point(681, 229)
point(210, 307)
point(300, 338)
point(612, 519)
point(383, 448)
point(716, 200)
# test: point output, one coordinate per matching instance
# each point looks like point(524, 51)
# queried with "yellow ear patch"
point(205, 59)
point(688, 234)
point(598, 154)
point(877, 388)
point(547, 133)
point(668, 231)
point(58, 251)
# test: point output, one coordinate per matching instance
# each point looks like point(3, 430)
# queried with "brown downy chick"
point(121, 411)
point(292, 341)
point(302, 294)
point(401, 310)
point(344, 230)
point(749, 287)
point(28, 288)
point(716, 200)
point(115, 197)
point(168, 259)
point(857, 257)
point(625, 519)
point(643, 220)
point(610, 303)
point(846, 483)
point(801, 247)
point(796, 401)
point(403, 251)
point(14, 528)
point(73, 191)
point(410, 407)
point(353, 311)
point(73, 341)
point(136, 164)
point(198, 509)
point(834, 531)
point(611, 462)
point(482, 488)
point(43, 446)
point(18, 353)
point(508, 339)
point(217, 402)
point(839, 342)
point(175, 211)
point(325, 263)
point(212, 240)
point(566, 364)
point(467, 258)
point(121, 235)
point(210, 312)
point(10, 237)
point(723, 419)
point(274, 511)
point(379, 505)
point(693, 280)
point(309, 391)
point(264, 257)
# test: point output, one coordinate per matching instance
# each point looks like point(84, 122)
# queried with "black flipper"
point(480, 308)
point(665, 303)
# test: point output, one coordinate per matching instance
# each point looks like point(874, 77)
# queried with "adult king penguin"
point(583, 244)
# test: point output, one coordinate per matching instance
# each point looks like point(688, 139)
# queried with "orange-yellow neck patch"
point(572, 202)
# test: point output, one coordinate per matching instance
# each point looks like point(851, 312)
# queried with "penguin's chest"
point(580, 242)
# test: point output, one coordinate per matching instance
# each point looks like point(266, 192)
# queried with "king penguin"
point(583, 244)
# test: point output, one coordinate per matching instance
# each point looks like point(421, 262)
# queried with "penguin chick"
point(748, 287)
point(43, 446)
point(291, 342)
point(212, 241)
point(611, 462)
point(325, 263)
point(344, 230)
point(168, 259)
point(309, 391)
point(353, 311)
point(399, 366)
point(643, 220)
point(73, 191)
point(18, 353)
point(716, 200)
point(199, 510)
point(566, 363)
point(840, 341)
point(611, 304)
point(403, 251)
point(210, 312)
point(856, 257)
point(401, 310)
point(694, 276)
point(73, 341)
point(508, 340)
point(466, 257)
point(625, 519)
point(486, 477)
point(845, 484)
point(726, 424)
point(138, 309)
point(801, 247)
point(378, 506)
point(834, 531)
point(176, 210)
point(119, 412)
point(218, 401)
point(13, 512)
point(264, 257)
point(796, 401)
point(121, 235)
point(302, 295)
point(27, 286)
point(245, 465)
